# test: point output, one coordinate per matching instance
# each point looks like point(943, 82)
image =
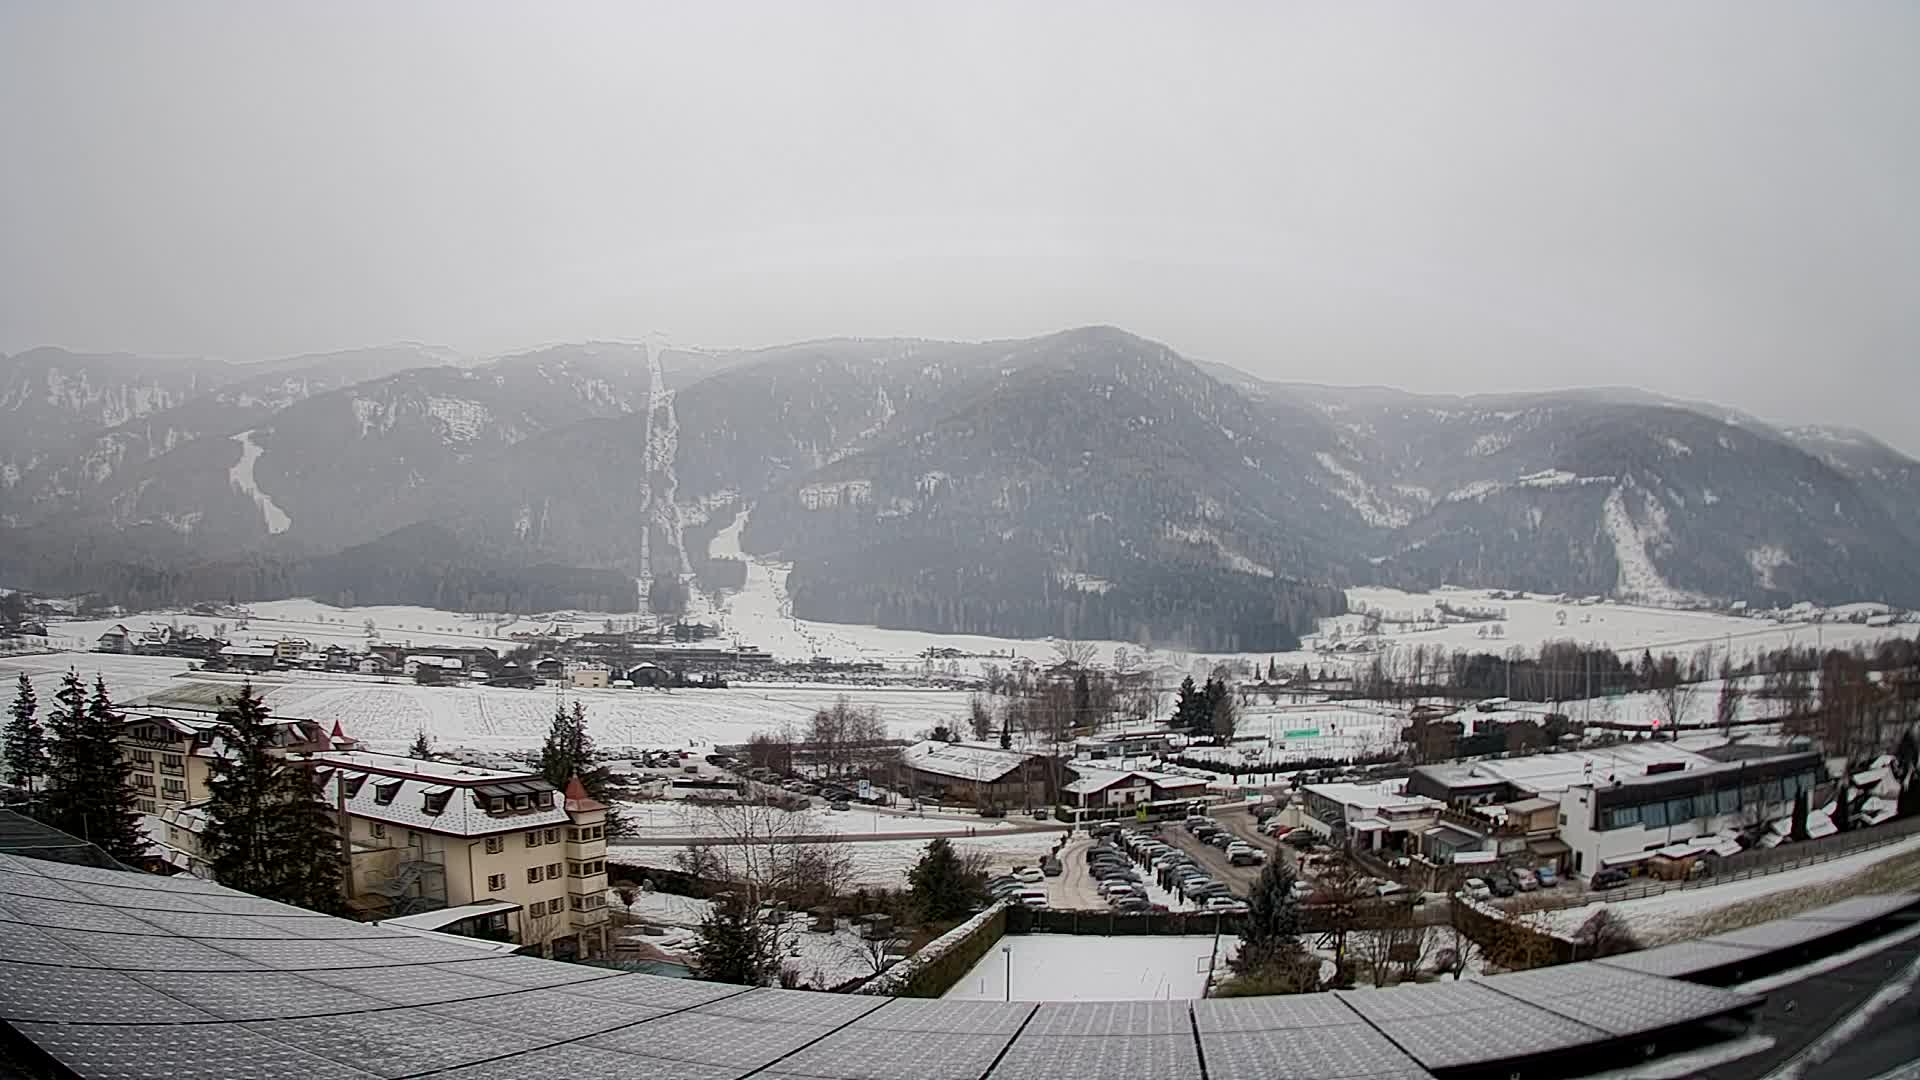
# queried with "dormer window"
point(384, 792)
point(521, 802)
point(350, 785)
point(436, 801)
point(545, 800)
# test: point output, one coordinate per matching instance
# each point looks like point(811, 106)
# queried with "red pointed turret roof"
point(578, 801)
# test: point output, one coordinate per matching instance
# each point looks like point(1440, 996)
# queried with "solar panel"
point(256, 995)
point(1444, 1025)
point(1682, 959)
point(697, 1039)
point(547, 1013)
point(851, 1054)
point(42, 912)
point(151, 952)
point(12, 884)
point(400, 1042)
point(1111, 1018)
point(794, 1006)
point(524, 971)
point(1105, 1057)
point(1863, 908)
point(1331, 1052)
point(409, 985)
point(31, 945)
point(571, 1061)
point(964, 1017)
point(408, 949)
point(136, 900)
point(181, 1052)
point(656, 991)
point(85, 996)
point(1267, 1013)
point(1781, 934)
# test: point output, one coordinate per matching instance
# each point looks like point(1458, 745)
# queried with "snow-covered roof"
point(443, 917)
point(407, 783)
point(1387, 795)
point(1557, 772)
point(1090, 780)
point(963, 761)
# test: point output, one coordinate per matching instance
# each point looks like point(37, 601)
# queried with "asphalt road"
point(1800, 1015)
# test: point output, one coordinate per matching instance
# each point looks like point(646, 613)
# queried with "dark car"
point(1607, 879)
point(1500, 885)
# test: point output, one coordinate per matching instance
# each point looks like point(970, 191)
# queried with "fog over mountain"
point(1641, 281)
point(1086, 483)
point(1709, 200)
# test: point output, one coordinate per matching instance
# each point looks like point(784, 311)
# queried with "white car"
point(1031, 875)
point(1033, 898)
point(1225, 904)
point(1476, 889)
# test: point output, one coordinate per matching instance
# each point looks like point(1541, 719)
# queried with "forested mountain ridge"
point(1086, 483)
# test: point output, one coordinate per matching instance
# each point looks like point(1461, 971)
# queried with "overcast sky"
point(1711, 200)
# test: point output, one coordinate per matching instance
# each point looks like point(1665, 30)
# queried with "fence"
point(1025, 920)
point(939, 964)
point(1749, 864)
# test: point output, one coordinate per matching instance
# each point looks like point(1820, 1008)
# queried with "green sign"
point(1303, 733)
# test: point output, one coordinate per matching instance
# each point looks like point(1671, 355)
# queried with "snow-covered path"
point(241, 476)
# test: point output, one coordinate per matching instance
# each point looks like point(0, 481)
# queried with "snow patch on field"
point(241, 476)
point(1479, 489)
point(1085, 967)
point(1200, 534)
point(461, 420)
point(1765, 560)
point(1353, 490)
point(1631, 541)
point(1079, 582)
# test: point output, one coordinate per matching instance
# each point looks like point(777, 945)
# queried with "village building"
point(1372, 817)
point(1129, 790)
point(169, 753)
point(976, 774)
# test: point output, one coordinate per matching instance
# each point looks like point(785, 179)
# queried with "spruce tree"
point(25, 742)
point(940, 884)
point(422, 747)
point(569, 752)
point(731, 946)
point(1270, 931)
point(88, 793)
point(267, 833)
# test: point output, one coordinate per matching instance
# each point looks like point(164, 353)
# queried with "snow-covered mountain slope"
point(1087, 483)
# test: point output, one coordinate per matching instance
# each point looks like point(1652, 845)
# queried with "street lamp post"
point(1007, 951)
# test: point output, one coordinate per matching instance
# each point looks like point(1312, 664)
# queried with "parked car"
point(1220, 840)
point(1039, 813)
point(1610, 878)
point(839, 804)
point(1225, 905)
point(1476, 889)
point(1548, 878)
point(1033, 898)
point(1501, 886)
point(1524, 880)
point(1030, 875)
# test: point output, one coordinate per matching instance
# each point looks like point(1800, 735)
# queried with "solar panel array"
point(1689, 958)
point(117, 974)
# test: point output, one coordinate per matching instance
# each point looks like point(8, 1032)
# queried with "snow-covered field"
point(1300, 732)
point(884, 863)
point(386, 714)
point(668, 818)
point(1626, 627)
point(1668, 916)
point(1062, 967)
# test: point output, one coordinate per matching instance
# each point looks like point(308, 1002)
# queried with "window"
point(553, 836)
point(573, 868)
point(544, 800)
point(1727, 800)
point(1679, 810)
point(533, 875)
point(496, 845)
point(378, 830)
point(145, 806)
point(533, 838)
point(1654, 815)
point(521, 802)
point(143, 781)
point(350, 786)
point(143, 758)
point(174, 787)
point(436, 802)
point(553, 871)
point(172, 761)
point(385, 790)
point(496, 882)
